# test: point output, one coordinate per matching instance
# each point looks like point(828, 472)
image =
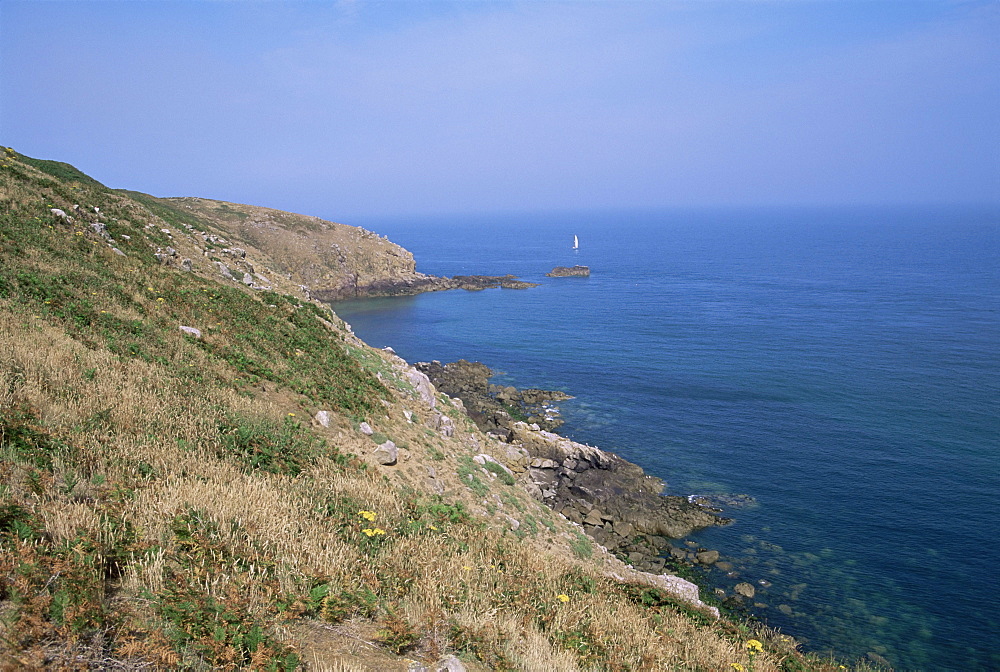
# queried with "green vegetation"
point(468, 472)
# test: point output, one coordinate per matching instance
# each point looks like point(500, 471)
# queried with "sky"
point(361, 109)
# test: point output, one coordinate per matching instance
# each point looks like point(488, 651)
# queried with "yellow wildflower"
point(563, 598)
point(467, 568)
point(432, 527)
point(367, 515)
point(755, 646)
point(736, 666)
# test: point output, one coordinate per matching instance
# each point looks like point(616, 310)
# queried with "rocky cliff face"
point(334, 261)
point(327, 260)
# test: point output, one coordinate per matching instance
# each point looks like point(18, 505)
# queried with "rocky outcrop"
point(614, 501)
point(602, 490)
point(494, 408)
point(326, 260)
point(569, 272)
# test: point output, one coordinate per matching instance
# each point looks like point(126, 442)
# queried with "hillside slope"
point(202, 473)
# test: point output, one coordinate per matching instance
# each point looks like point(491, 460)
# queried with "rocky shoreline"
point(613, 500)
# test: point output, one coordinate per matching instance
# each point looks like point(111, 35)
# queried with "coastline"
point(613, 500)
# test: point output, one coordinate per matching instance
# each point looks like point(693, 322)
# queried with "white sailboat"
point(576, 243)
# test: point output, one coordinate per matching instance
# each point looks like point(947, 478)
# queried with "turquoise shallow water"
point(841, 367)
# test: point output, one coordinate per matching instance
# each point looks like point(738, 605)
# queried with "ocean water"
point(842, 367)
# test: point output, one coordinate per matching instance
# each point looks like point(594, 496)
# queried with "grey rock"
point(59, 213)
point(445, 425)
point(224, 270)
point(322, 418)
point(186, 265)
point(623, 529)
point(117, 251)
point(387, 453)
point(422, 384)
point(366, 429)
point(707, 557)
point(542, 463)
point(449, 664)
point(745, 589)
point(247, 279)
point(191, 331)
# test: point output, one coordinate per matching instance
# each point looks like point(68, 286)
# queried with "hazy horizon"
point(362, 110)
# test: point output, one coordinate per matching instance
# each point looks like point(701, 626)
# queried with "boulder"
point(366, 429)
point(422, 384)
point(707, 557)
point(745, 589)
point(322, 418)
point(449, 664)
point(386, 454)
point(223, 270)
point(191, 331)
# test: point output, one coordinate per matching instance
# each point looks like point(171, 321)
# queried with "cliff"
point(326, 260)
point(209, 471)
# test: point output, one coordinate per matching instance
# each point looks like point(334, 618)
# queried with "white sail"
point(576, 243)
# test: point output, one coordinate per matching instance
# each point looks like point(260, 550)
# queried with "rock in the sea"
point(707, 557)
point(745, 589)
point(387, 453)
point(569, 272)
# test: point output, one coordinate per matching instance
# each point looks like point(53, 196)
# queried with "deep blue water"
point(841, 367)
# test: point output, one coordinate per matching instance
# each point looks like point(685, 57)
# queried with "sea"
point(841, 367)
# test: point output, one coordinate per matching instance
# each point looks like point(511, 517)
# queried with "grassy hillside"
point(171, 500)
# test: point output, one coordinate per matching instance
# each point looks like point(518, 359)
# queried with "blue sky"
point(355, 109)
